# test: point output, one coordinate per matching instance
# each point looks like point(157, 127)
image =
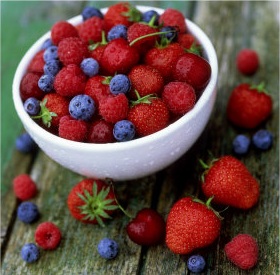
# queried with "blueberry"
point(196, 263)
point(124, 130)
point(172, 33)
point(108, 248)
point(45, 83)
point(47, 43)
point(120, 83)
point(241, 144)
point(30, 252)
point(32, 106)
point(90, 67)
point(50, 53)
point(118, 31)
point(82, 107)
point(148, 15)
point(262, 139)
point(89, 12)
point(27, 212)
point(52, 67)
point(25, 144)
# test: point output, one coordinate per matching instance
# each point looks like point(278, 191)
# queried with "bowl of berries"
point(120, 92)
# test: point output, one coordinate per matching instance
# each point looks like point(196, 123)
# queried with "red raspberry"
point(247, 61)
point(57, 104)
point(187, 40)
point(29, 86)
point(61, 30)
point(72, 129)
point(70, 81)
point(37, 63)
point(114, 108)
point(72, 50)
point(91, 29)
point(47, 235)
point(24, 187)
point(179, 97)
point(101, 131)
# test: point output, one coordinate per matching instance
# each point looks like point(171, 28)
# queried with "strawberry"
point(92, 201)
point(149, 115)
point(230, 182)
point(173, 17)
point(193, 69)
point(247, 61)
point(147, 228)
point(190, 225)
point(146, 80)
point(243, 251)
point(248, 106)
point(118, 57)
point(163, 58)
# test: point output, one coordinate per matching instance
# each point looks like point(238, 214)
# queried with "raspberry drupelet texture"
point(24, 187)
point(61, 30)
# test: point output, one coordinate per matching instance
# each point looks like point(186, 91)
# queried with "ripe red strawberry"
point(61, 30)
point(190, 225)
point(92, 201)
point(118, 57)
point(149, 115)
point(243, 251)
point(91, 29)
point(70, 81)
point(24, 187)
point(101, 131)
point(173, 17)
point(231, 183)
point(47, 235)
point(146, 80)
point(163, 58)
point(37, 63)
point(121, 13)
point(193, 69)
point(96, 50)
point(179, 97)
point(249, 106)
point(72, 50)
point(247, 61)
point(114, 108)
point(147, 228)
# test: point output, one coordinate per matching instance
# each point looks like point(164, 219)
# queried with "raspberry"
point(114, 108)
point(247, 61)
point(24, 187)
point(72, 50)
point(91, 29)
point(242, 250)
point(70, 81)
point(100, 131)
point(29, 86)
point(72, 129)
point(179, 97)
point(47, 235)
point(61, 30)
point(172, 17)
point(37, 63)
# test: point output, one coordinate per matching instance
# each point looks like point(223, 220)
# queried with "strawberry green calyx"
point(133, 14)
point(260, 88)
point(92, 46)
point(145, 99)
point(195, 49)
point(206, 167)
point(107, 80)
point(45, 114)
point(96, 204)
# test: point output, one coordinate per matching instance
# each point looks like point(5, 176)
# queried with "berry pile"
point(116, 76)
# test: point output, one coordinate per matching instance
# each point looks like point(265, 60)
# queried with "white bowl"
point(124, 160)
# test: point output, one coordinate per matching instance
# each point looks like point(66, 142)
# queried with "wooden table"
point(231, 26)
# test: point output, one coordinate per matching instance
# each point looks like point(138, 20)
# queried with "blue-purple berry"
point(118, 31)
point(108, 248)
point(124, 130)
point(32, 106)
point(52, 67)
point(47, 43)
point(89, 12)
point(119, 84)
point(148, 15)
point(30, 253)
point(45, 83)
point(82, 107)
point(172, 33)
point(241, 144)
point(90, 67)
point(25, 144)
point(27, 212)
point(262, 139)
point(50, 53)
point(196, 263)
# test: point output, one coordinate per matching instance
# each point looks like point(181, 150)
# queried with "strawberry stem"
point(145, 99)
point(260, 88)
